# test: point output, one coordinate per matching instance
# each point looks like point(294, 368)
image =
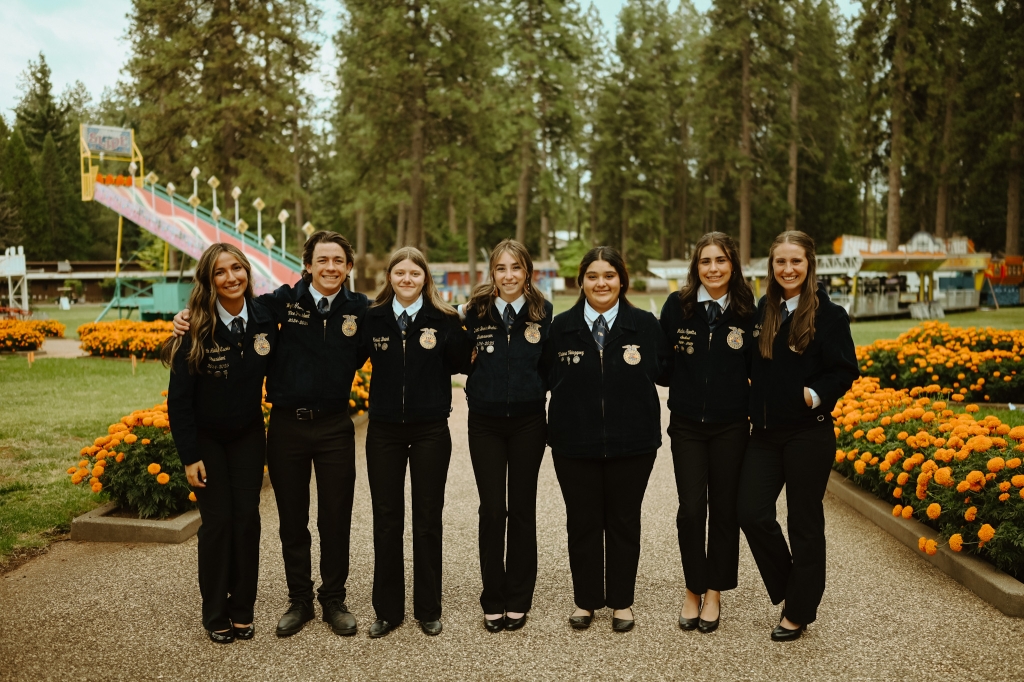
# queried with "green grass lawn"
point(77, 316)
point(50, 412)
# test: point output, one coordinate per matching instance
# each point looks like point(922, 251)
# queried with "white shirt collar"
point(703, 297)
point(792, 303)
point(413, 308)
point(317, 296)
point(227, 317)
point(517, 305)
point(590, 315)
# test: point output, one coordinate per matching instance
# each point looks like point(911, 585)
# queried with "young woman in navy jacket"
point(415, 342)
point(804, 361)
point(604, 428)
point(708, 325)
point(214, 404)
point(508, 322)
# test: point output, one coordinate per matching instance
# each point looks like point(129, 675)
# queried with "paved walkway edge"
point(997, 588)
point(95, 526)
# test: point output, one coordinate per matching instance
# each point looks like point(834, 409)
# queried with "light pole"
point(170, 195)
point(242, 226)
point(235, 193)
point(152, 178)
point(133, 168)
point(282, 216)
point(214, 183)
point(269, 243)
point(259, 206)
point(194, 199)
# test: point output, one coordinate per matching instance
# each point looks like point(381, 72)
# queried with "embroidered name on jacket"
point(686, 337)
point(570, 356)
point(381, 342)
point(297, 314)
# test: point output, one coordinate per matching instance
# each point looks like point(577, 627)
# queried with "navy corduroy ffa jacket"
point(227, 391)
point(828, 366)
point(605, 404)
point(505, 379)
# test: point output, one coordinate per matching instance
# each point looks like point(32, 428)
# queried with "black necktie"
point(714, 311)
point(403, 322)
point(510, 316)
point(323, 305)
point(785, 313)
point(237, 326)
point(600, 330)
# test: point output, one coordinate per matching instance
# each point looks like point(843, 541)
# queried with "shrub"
point(959, 474)
point(18, 335)
point(979, 365)
point(123, 338)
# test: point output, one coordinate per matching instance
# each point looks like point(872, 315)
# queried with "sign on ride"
point(108, 140)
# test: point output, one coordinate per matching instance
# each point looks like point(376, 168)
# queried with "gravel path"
point(124, 612)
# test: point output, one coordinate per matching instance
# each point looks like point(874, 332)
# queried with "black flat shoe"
point(248, 632)
point(622, 624)
point(515, 623)
point(689, 624)
point(431, 627)
point(226, 637)
point(496, 625)
point(382, 627)
point(781, 634)
point(581, 622)
point(707, 626)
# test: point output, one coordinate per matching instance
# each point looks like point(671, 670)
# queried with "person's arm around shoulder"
point(666, 322)
point(839, 358)
point(181, 412)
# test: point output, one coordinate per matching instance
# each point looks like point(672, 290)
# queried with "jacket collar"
point(385, 312)
point(344, 296)
point(624, 321)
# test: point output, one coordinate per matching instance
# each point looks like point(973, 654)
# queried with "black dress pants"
point(602, 505)
point(506, 454)
point(294, 448)
point(707, 459)
point(426, 449)
point(799, 459)
point(229, 539)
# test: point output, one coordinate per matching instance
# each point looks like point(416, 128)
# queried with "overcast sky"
point(83, 40)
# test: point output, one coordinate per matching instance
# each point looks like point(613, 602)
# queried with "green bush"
point(134, 486)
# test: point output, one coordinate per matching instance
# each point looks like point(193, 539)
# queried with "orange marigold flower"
point(76, 478)
point(956, 542)
point(931, 547)
point(859, 466)
point(130, 438)
point(897, 493)
point(72, 470)
point(986, 533)
point(153, 468)
point(944, 476)
point(1004, 486)
point(897, 510)
point(96, 486)
point(902, 478)
point(1016, 433)
point(120, 457)
point(975, 477)
point(97, 471)
point(191, 497)
point(921, 542)
point(996, 464)
point(1004, 497)
point(884, 466)
point(840, 455)
point(1013, 463)
point(934, 511)
point(908, 512)
point(902, 435)
point(163, 479)
point(971, 513)
point(1018, 481)
point(888, 477)
point(963, 486)
point(146, 441)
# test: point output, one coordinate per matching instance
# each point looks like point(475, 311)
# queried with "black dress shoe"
point(248, 632)
point(431, 627)
point(707, 626)
point(298, 614)
point(689, 623)
point(622, 624)
point(781, 634)
point(515, 623)
point(581, 622)
point(226, 637)
point(382, 627)
point(496, 625)
point(337, 614)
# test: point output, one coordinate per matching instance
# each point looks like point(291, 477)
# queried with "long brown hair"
point(614, 259)
point(801, 329)
point(202, 305)
point(485, 293)
point(430, 291)
point(741, 298)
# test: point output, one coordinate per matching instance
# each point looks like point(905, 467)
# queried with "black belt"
point(303, 414)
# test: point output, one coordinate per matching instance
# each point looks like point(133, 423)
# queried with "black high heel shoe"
point(689, 624)
point(781, 634)
point(706, 626)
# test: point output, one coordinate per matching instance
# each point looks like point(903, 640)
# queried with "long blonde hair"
point(485, 293)
point(801, 329)
point(202, 305)
point(430, 291)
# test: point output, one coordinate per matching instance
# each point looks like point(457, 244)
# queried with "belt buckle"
point(302, 414)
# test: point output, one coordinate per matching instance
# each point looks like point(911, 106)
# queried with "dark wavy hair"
point(741, 298)
point(320, 237)
point(614, 259)
point(801, 329)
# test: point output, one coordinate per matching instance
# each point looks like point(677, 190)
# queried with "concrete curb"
point(96, 526)
point(997, 588)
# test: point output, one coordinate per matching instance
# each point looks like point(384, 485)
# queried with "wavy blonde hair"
point(485, 293)
point(430, 291)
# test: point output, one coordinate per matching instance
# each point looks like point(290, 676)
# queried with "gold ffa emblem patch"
point(349, 327)
point(532, 332)
point(427, 338)
point(260, 344)
point(631, 355)
point(735, 338)
point(689, 350)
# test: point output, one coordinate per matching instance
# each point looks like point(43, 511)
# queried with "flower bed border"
point(986, 581)
point(96, 526)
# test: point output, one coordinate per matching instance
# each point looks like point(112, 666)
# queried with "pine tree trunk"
point(1013, 184)
point(892, 232)
point(453, 223)
point(665, 245)
point(684, 182)
point(625, 229)
point(360, 269)
point(593, 213)
point(471, 244)
point(297, 175)
point(545, 245)
point(523, 190)
point(794, 150)
point(745, 153)
point(400, 226)
point(942, 197)
point(414, 232)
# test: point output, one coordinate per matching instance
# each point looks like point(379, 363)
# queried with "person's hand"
point(196, 474)
point(181, 322)
point(807, 397)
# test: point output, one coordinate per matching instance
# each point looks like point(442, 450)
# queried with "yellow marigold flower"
point(1004, 497)
point(153, 468)
point(931, 547)
point(971, 513)
point(996, 464)
point(902, 478)
point(986, 533)
point(897, 493)
point(934, 511)
point(897, 510)
point(163, 479)
point(908, 512)
point(921, 542)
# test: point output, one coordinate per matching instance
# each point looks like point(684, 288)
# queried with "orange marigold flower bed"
point(18, 335)
point(123, 338)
